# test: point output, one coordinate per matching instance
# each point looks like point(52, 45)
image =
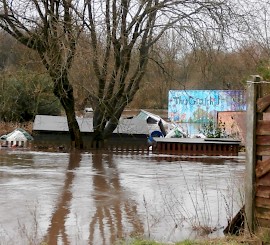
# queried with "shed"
point(55, 128)
point(154, 122)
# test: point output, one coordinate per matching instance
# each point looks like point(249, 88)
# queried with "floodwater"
point(100, 197)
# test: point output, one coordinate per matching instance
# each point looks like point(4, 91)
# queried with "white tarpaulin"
point(18, 135)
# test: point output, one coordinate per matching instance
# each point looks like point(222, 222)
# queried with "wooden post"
point(252, 93)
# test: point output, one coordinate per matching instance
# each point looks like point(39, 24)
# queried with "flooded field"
point(100, 197)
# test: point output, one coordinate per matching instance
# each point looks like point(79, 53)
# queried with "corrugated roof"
point(59, 124)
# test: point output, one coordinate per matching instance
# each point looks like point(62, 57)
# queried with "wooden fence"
point(196, 146)
point(257, 193)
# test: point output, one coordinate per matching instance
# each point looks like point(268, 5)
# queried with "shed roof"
point(144, 115)
point(59, 124)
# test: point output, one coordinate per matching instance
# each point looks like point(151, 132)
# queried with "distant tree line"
point(26, 90)
point(116, 54)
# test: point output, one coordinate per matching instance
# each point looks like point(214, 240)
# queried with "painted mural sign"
point(200, 106)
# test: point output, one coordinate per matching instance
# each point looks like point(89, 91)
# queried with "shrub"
point(212, 130)
point(23, 95)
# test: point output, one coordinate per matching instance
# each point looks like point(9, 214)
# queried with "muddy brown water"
point(100, 197)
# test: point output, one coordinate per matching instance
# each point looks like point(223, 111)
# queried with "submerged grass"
point(228, 240)
point(198, 213)
point(261, 237)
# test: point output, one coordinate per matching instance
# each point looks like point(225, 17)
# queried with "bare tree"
point(50, 28)
point(257, 34)
point(121, 33)
point(122, 36)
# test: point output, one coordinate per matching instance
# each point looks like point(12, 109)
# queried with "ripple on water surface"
point(99, 197)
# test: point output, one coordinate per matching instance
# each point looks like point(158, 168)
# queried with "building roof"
point(144, 115)
point(59, 124)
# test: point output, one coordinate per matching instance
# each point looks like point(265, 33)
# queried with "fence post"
point(251, 118)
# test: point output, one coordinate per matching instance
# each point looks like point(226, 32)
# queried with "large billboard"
point(200, 106)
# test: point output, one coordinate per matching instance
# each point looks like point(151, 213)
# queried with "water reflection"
point(112, 210)
point(201, 159)
point(112, 204)
point(98, 197)
point(57, 227)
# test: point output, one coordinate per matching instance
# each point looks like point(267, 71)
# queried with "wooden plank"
point(263, 223)
point(189, 149)
point(266, 116)
point(169, 147)
point(263, 128)
point(263, 158)
point(196, 148)
point(262, 202)
point(263, 140)
point(163, 147)
point(262, 213)
point(263, 191)
point(264, 181)
point(262, 167)
point(252, 93)
point(267, 110)
point(200, 149)
point(235, 149)
point(263, 150)
point(263, 103)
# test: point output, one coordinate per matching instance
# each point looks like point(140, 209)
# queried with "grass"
point(198, 215)
point(228, 240)
point(185, 242)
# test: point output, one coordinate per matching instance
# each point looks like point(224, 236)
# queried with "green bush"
point(212, 130)
point(24, 95)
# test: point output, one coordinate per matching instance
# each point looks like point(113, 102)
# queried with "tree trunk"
point(99, 123)
point(105, 121)
point(63, 90)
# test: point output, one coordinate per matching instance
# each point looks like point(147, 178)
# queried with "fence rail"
point(257, 193)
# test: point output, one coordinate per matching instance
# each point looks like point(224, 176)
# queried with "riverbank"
point(262, 238)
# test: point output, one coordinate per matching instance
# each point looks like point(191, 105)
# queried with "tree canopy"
point(123, 34)
point(50, 28)
point(119, 38)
